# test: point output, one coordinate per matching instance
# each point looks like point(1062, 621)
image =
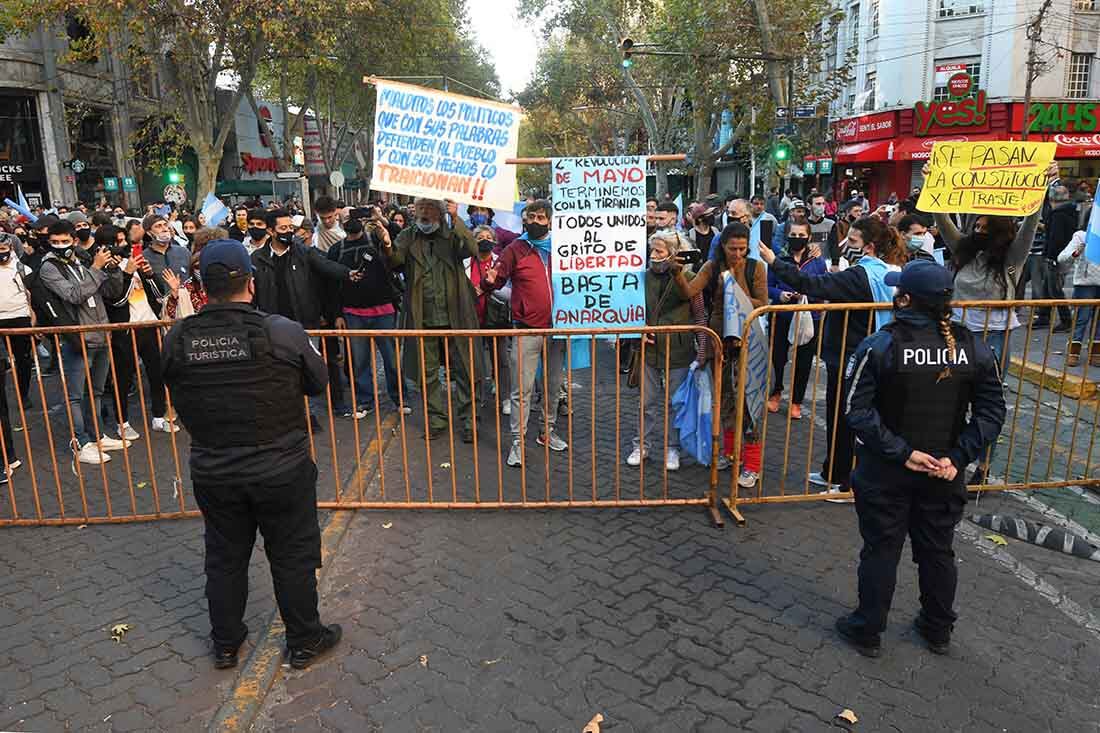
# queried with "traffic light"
point(626, 45)
point(174, 176)
point(781, 154)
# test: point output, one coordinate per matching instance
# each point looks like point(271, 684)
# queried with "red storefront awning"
point(876, 151)
point(920, 148)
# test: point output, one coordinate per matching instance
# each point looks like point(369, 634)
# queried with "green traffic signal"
point(174, 176)
point(627, 63)
point(781, 150)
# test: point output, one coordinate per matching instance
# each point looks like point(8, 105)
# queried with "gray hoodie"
point(81, 287)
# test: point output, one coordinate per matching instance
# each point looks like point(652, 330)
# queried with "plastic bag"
point(801, 331)
point(692, 403)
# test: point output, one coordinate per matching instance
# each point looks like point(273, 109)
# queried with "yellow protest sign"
point(999, 177)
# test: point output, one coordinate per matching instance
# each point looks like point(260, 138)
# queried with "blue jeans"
point(1085, 313)
point(996, 340)
point(361, 357)
point(82, 404)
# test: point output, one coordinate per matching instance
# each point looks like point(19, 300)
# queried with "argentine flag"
point(213, 210)
point(1092, 237)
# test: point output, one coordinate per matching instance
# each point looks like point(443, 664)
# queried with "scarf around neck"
point(880, 291)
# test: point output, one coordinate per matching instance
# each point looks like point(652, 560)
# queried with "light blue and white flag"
point(1092, 237)
point(213, 210)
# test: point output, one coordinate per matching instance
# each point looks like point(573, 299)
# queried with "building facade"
point(957, 70)
point(54, 114)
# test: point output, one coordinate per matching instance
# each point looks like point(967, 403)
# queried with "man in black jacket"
point(1060, 224)
point(367, 304)
point(289, 278)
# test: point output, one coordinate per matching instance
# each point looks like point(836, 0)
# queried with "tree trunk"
point(776, 83)
point(209, 162)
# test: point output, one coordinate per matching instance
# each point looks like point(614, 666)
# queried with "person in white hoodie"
point(1086, 284)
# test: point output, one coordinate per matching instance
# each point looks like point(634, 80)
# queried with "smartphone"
point(690, 257)
point(135, 251)
point(767, 229)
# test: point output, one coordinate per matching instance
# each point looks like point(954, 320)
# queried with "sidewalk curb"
point(265, 663)
point(1069, 384)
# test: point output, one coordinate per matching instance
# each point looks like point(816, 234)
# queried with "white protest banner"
point(444, 146)
point(599, 241)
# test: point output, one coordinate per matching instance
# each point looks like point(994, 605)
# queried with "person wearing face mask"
point(924, 397)
point(918, 242)
point(666, 305)
point(368, 304)
point(493, 311)
point(77, 296)
point(526, 263)
point(140, 301)
point(238, 377)
point(163, 253)
point(863, 283)
point(702, 234)
point(257, 234)
point(438, 296)
point(239, 228)
point(822, 226)
point(795, 213)
point(193, 296)
point(16, 312)
point(798, 254)
point(483, 216)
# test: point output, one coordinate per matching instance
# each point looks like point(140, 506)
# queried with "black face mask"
point(5, 257)
point(797, 244)
point(190, 236)
point(83, 234)
point(62, 252)
point(286, 238)
point(537, 231)
point(257, 233)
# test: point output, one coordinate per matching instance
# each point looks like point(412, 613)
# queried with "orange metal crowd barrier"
point(1047, 441)
point(389, 459)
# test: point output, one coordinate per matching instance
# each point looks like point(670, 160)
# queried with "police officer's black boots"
point(938, 643)
point(225, 657)
point(868, 646)
point(302, 657)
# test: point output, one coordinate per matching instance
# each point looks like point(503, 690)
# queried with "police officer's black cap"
point(228, 257)
point(923, 279)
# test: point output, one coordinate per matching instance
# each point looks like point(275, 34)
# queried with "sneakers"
point(938, 643)
point(838, 500)
point(162, 425)
point(636, 457)
point(748, 479)
point(109, 443)
point(723, 463)
point(127, 433)
point(506, 407)
point(773, 403)
point(302, 657)
point(406, 410)
point(358, 413)
point(554, 441)
point(515, 457)
point(90, 453)
point(868, 646)
point(817, 479)
point(796, 412)
point(672, 459)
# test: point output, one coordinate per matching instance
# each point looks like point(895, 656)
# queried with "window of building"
point(19, 141)
point(853, 24)
point(1080, 76)
point(869, 92)
point(872, 19)
point(973, 67)
point(1085, 5)
point(957, 8)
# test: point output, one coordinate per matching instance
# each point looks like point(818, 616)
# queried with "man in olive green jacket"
point(438, 296)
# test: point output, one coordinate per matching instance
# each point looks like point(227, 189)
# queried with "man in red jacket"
point(526, 262)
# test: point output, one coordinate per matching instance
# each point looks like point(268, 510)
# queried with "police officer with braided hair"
point(237, 377)
point(924, 399)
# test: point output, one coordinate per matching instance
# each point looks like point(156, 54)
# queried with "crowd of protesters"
point(429, 266)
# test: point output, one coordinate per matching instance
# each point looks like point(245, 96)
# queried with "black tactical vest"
point(230, 390)
point(918, 401)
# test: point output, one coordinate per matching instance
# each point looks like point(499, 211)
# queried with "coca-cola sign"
point(1082, 140)
point(868, 127)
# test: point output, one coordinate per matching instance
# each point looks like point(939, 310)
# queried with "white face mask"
point(819, 210)
point(164, 237)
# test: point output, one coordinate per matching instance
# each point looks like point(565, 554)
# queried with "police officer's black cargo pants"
point(902, 502)
point(285, 511)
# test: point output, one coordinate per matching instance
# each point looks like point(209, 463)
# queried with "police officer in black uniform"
point(924, 399)
point(237, 377)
